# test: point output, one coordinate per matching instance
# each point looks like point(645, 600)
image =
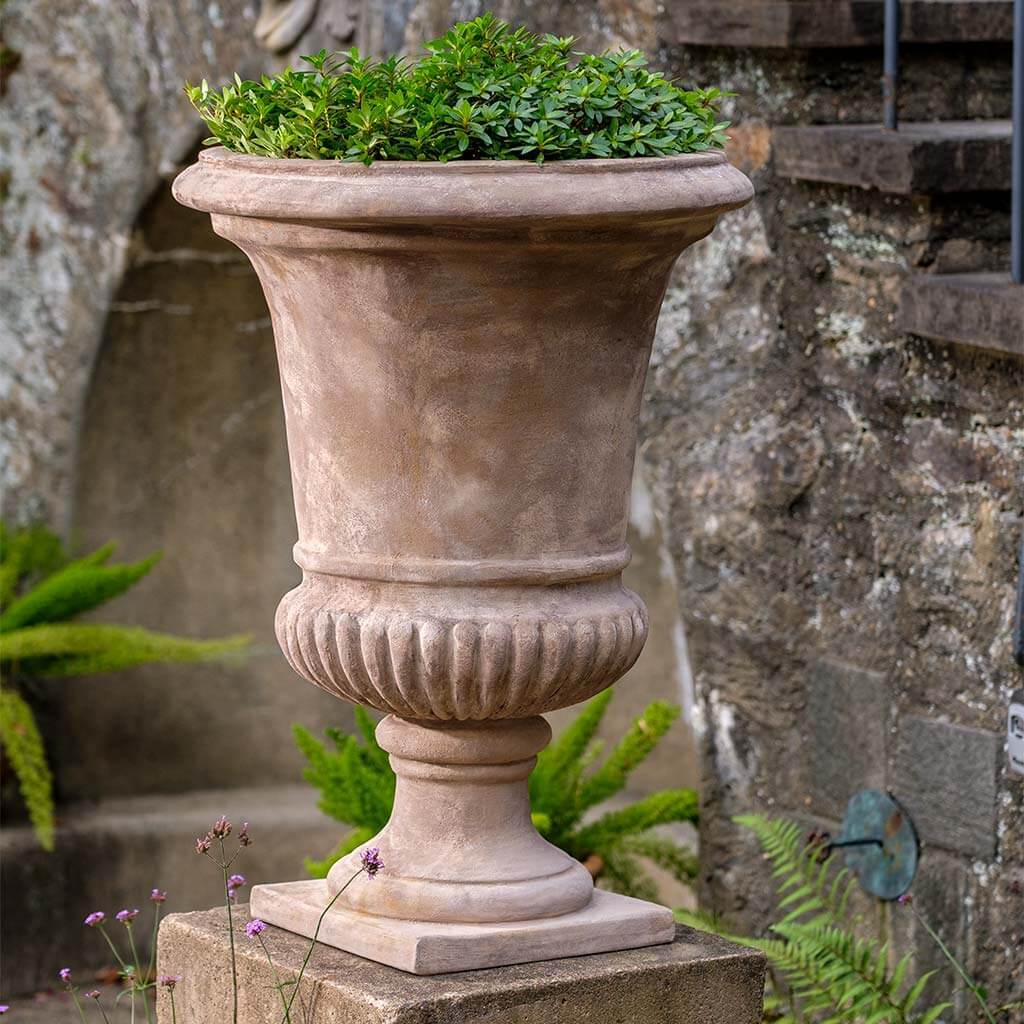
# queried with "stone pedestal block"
point(696, 979)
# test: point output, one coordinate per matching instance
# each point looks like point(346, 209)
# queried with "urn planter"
point(462, 350)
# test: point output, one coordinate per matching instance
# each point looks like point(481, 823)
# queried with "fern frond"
point(29, 552)
point(624, 874)
point(76, 588)
point(19, 736)
point(808, 884)
point(74, 649)
point(355, 839)
point(555, 779)
point(643, 736)
point(677, 860)
point(660, 808)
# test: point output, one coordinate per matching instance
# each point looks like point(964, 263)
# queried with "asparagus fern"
point(41, 591)
point(567, 788)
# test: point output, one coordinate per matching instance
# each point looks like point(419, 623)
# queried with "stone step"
point(982, 310)
point(836, 23)
point(922, 157)
point(111, 854)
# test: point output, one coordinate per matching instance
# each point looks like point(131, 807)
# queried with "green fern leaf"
point(30, 552)
point(643, 736)
point(74, 649)
point(355, 839)
point(678, 861)
point(23, 745)
point(554, 780)
point(657, 809)
point(76, 588)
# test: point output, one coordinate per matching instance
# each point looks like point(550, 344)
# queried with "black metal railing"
point(890, 118)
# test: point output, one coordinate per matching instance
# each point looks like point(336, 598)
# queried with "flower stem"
point(113, 949)
point(138, 982)
point(174, 1012)
point(277, 981)
point(78, 1005)
point(967, 980)
point(225, 864)
point(316, 935)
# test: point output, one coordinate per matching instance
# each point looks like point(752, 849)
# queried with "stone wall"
point(841, 502)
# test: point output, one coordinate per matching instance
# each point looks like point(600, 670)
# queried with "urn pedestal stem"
point(460, 845)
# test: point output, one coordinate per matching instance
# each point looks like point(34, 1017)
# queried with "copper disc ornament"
point(880, 844)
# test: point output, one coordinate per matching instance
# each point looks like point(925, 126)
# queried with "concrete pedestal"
point(697, 979)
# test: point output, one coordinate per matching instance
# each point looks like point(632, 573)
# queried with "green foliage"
point(822, 973)
point(483, 91)
point(40, 590)
point(356, 783)
point(23, 745)
point(357, 787)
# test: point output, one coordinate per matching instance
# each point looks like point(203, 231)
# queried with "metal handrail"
point(890, 118)
point(1017, 174)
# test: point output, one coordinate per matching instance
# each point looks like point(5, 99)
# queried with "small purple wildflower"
point(168, 980)
point(371, 861)
point(221, 828)
point(64, 974)
point(203, 844)
point(93, 993)
point(95, 918)
point(906, 898)
point(158, 896)
point(236, 881)
point(127, 916)
point(255, 927)
point(243, 835)
point(4, 1007)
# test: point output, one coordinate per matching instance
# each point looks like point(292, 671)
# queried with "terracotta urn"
point(462, 350)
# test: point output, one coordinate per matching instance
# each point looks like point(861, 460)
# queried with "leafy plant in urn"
point(463, 340)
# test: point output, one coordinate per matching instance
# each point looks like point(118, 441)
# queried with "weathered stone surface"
point(111, 854)
point(982, 310)
point(835, 23)
point(921, 157)
point(946, 778)
point(698, 979)
point(847, 725)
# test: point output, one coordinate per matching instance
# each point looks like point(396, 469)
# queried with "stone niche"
point(182, 449)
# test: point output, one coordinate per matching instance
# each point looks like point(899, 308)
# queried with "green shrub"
point(483, 91)
point(357, 787)
point(41, 590)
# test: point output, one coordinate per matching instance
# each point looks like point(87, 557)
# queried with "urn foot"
point(608, 922)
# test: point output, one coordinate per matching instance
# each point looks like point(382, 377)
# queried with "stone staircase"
point(945, 158)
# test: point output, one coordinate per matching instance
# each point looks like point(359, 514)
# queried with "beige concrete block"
point(696, 979)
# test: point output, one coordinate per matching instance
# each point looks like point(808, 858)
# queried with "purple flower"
point(236, 881)
point(4, 1007)
point(127, 916)
point(168, 980)
point(158, 896)
point(64, 974)
point(906, 898)
point(255, 927)
point(95, 918)
point(93, 994)
point(221, 828)
point(203, 844)
point(243, 834)
point(371, 861)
